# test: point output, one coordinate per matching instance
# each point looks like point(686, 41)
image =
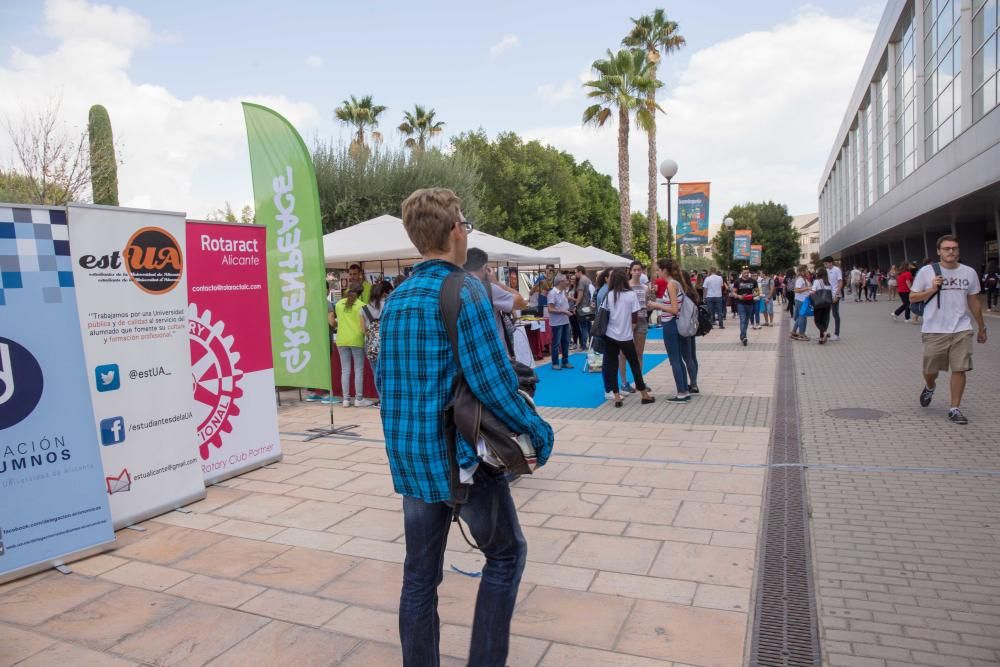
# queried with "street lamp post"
point(668, 168)
point(728, 222)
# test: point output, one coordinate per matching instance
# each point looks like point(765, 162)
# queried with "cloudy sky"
point(752, 102)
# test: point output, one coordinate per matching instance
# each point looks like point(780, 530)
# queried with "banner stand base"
point(332, 429)
point(63, 569)
point(138, 529)
point(182, 510)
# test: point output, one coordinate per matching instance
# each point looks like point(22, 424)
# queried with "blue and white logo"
point(107, 377)
point(20, 383)
point(112, 431)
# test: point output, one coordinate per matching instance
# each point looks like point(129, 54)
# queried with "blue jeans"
point(755, 314)
point(560, 343)
point(673, 342)
point(689, 350)
point(717, 306)
point(745, 311)
point(800, 320)
point(585, 331)
point(426, 526)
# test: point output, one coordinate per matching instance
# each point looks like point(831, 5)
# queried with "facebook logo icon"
point(112, 431)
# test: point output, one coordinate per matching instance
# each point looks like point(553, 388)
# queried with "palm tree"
point(360, 114)
point(656, 35)
point(419, 127)
point(622, 85)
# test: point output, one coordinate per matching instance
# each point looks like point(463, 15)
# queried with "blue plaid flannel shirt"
point(416, 371)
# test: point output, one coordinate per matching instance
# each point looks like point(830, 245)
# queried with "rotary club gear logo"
point(215, 376)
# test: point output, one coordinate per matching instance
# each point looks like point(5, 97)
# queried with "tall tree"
point(657, 36)
point(419, 127)
point(361, 115)
point(621, 86)
point(770, 226)
point(50, 164)
point(103, 165)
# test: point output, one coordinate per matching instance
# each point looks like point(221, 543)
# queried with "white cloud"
point(314, 61)
point(572, 89)
point(177, 154)
point(755, 115)
point(508, 42)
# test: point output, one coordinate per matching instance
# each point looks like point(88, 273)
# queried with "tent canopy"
point(384, 239)
point(572, 255)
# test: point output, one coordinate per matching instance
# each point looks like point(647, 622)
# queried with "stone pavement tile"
point(210, 590)
point(146, 575)
point(678, 453)
point(257, 507)
point(544, 544)
point(542, 484)
point(659, 478)
point(109, 619)
point(250, 530)
point(27, 581)
point(279, 643)
point(372, 523)
point(703, 563)
point(730, 598)
point(728, 483)
point(169, 545)
point(192, 636)
point(300, 570)
point(371, 583)
point(312, 493)
point(374, 624)
point(294, 608)
point(365, 548)
point(744, 499)
point(232, 557)
point(95, 565)
point(648, 510)
point(717, 516)
point(613, 553)
point(257, 486)
point(616, 449)
point(704, 637)
point(682, 495)
point(46, 597)
point(373, 654)
point(560, 576)
point(583, 525)
point(527, 651)
point(617, 490)
point(528, 519)
point(193, 520)
point(376, 485)
point(313, 515)
point(390, 503)
point(216, 496)
point(562, 655)
point(587, 619)
point(602, 474)
point(670, 533)
point(722, 538)
point(563, 504)
point(276, 472)
point(312, 539)
point(77, 656)
point(644, 588)
point(17, 644)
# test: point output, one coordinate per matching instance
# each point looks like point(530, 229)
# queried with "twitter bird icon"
point(107, 377)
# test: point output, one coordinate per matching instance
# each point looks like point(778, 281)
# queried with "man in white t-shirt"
point(713, 296)
point(856, 283)
point(836, 280)
point(947, 330)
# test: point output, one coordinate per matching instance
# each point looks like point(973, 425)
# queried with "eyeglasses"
point(949, 248)
point(466, 225)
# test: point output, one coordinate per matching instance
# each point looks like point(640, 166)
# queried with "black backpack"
point(704, 320)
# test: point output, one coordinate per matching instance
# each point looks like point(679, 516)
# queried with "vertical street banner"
point(52, 502)
point(692, 213)
point(755, 254)
point(287, 203)
point(130, 269)
point(741, 244)
point(235, 414)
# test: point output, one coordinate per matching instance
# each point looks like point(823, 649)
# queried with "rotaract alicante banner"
point(235, 412)
point(52, 502)
point(130, 269)
point(286, 200)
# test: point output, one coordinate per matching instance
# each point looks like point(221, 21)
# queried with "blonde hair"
point(429, 215)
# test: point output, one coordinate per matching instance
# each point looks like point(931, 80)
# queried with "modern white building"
point(808, 228)
point(918, 152)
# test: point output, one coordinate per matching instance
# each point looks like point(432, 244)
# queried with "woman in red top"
point(903, 282)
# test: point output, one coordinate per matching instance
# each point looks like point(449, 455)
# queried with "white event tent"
point(571, 255)
point(384, 239)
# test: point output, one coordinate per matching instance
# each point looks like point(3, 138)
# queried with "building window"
point(984, 57)
point(870, 152)
point(884, 125)
point(905, 92)
point(942, 73)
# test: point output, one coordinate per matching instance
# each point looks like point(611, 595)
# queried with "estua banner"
point(131, 280)
point(233, 377)
point(52, 502)
point(287, 202)
point(692, 213)
point(755, 255)
point(741, 244)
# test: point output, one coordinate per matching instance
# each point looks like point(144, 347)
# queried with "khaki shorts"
point(947, 352)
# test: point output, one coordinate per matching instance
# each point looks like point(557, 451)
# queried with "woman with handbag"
point(822, 301)
point(616, 323)
point(801, 290)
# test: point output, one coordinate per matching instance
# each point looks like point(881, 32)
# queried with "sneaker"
point(955, 416)
point(694, 389)
point(312, 398)
point(925, 397)
point(326, 400)
point(894, 316)
point(628, 389)
point(362, 403)
point(679, 399)
point(744, 341)
point(568, 366)
point(556, 367)
point(347, 402)
point(609, 395)
point(834, 337)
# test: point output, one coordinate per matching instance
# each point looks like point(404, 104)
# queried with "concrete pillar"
point(890, 182)
point(927, 247)
point(965, 24)
point(883, 257)
point(972, 243)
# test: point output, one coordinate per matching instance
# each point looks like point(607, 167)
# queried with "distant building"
point(808, 227)
point(917, 154)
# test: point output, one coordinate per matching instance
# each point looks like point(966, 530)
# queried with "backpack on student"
point(687, 318)
point(705, 324)
point(372, 339)
point(917, 308)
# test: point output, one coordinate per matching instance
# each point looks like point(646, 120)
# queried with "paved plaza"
point(642, 533)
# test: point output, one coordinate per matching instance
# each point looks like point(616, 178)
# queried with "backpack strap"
point(450, 305)
point(937, 272)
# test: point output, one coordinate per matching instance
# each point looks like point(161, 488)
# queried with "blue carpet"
point(572, 388)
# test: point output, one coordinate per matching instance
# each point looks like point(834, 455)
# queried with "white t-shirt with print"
point(953, 314)
point(713, 287)
point(620, 307)
point(835, 275)
point(800, 282)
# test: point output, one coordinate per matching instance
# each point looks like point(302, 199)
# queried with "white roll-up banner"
point(131, 282)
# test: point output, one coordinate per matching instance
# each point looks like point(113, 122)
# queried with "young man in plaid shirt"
point(416, 373)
